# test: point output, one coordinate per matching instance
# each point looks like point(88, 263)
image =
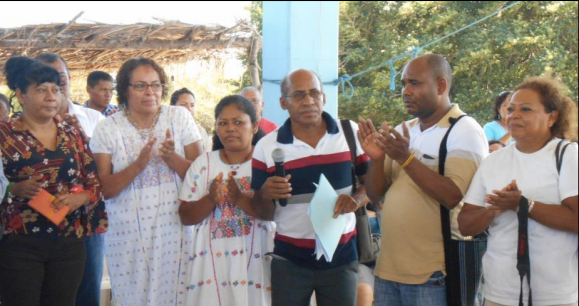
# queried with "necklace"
point(144, 132)
point(235, 167)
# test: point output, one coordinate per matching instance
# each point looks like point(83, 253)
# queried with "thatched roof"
point(106, 46)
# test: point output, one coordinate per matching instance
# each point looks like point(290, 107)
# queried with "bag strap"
point(351, 140)
point(445, 212)
point(523, 258)
point(559, 154)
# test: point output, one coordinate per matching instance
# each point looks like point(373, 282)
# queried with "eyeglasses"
point(142, 86)
point(301, 95)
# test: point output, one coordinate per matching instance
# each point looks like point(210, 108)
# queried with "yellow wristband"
point(407, 162)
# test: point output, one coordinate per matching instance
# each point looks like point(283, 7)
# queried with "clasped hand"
point(218, 188)
point(506, 199)
point(386, 141)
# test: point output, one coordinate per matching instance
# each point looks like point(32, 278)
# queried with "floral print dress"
point(224, 258)
point(70, 164)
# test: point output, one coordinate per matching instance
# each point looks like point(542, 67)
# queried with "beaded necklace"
point(236, 167)
point(144, 132)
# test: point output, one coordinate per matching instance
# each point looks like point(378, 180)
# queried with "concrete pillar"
point(299, 34)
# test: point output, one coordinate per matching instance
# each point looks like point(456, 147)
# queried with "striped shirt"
point(295, 237)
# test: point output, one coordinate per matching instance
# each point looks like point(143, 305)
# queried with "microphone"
point(278, 158)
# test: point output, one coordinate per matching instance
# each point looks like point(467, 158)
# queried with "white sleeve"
point(186, 125)
point(477, 190)
point(194, 185)
point(101, 140)
point(3, 180)
point(467, 140)
point(569, 169)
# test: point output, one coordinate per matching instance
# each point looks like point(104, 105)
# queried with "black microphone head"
point(278, 155)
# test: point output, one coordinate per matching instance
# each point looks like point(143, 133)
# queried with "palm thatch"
point(105, 47)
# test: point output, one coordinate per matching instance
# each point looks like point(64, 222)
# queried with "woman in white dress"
point(225, 262)
point(540, 114)
point(142, 154)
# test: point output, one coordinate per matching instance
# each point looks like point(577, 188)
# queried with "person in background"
point(85, 120)
point(142, 154)
point(497, 129)
point(4, 108)
point(42, 263)
point(216, 199)
point(186, 98)
point(366, 276)
point(254, 95)
point(99, 86)
point(540, 115)
point(495, 145)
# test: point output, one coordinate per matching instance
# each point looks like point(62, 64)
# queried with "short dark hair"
point(439, 67)
point(499, 100)
point(22, 71)
point(243, 105)
point(286, 82)
point(175, 96)
point(494, 141)
point(49, 58)
point(124, 77)
point(95, 77)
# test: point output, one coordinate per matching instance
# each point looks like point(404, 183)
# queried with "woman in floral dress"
point(41, 263)
point(225, 261)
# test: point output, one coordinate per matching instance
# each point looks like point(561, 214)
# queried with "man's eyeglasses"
point(301, 95)
point(142, 86)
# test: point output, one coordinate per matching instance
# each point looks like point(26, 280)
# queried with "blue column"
point(299, 34)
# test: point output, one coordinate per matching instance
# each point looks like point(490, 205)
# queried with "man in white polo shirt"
point(85, 119)
point(404, 166)
point(313, 143)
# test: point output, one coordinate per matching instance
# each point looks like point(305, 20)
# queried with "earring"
point(499, 116)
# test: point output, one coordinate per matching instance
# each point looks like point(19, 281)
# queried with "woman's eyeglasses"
point(142, 86)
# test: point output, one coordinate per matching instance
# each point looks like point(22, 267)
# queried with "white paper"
point(328, 230)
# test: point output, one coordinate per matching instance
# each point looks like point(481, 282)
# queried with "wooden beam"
point(241, 42)
point(64, 27)
point(253, 63)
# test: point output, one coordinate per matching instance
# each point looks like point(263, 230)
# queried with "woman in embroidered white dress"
point(142, 154)
point(224, 260)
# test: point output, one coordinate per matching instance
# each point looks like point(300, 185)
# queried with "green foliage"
point(527, 40)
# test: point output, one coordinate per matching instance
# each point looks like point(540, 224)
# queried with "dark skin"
point(309, 127)
point(425, 97)
point(40, 104)
point(235, 131)
point(531, 125)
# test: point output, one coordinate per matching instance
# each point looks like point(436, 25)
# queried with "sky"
point(224, 13)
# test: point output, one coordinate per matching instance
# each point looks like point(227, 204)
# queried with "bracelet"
point(407, 162)
point(531, 205)
point(8, 189)
point(93, 198)
point(76, 189)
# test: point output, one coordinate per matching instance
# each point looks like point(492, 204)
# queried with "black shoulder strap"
point(559, 154)
point(443, 149)
point(351, 139)
point(523, 258)
point(444, 212)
